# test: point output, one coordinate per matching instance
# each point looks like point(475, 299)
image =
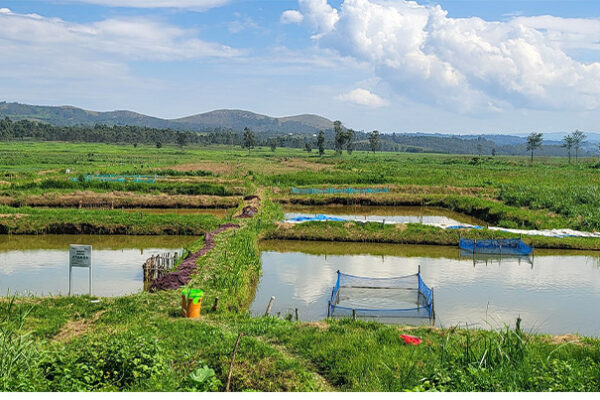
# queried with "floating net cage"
point(484, 258)
point(496, 246)
point(340, 191)
point(381, 298)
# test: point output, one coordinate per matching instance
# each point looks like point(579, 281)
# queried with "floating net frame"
point(495, 246)
point(409, 286)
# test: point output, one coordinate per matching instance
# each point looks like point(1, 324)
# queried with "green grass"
point(27, 220)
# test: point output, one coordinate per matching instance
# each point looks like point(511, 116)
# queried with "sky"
point(449, 66)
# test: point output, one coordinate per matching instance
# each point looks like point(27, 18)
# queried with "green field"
point(140, 342)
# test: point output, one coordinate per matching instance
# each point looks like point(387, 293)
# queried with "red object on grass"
point(415, 341)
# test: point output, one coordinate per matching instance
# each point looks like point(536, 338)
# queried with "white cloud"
point(197, 5)
point(126, 38)
point(319, 15)
point(291, 17)
point(362, 97)
point(467, 64)
point(45, 59)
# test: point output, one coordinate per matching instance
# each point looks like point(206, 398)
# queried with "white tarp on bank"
point(528, 232)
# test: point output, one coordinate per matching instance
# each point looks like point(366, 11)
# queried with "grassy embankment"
point(413, 234)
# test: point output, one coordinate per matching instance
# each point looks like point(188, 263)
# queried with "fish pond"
point(389, 214)
point(38, 265)
point(555, 292)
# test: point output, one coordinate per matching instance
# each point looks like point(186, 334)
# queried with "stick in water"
point(269, 306)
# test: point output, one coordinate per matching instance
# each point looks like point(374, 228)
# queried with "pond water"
point(555, 292)
point(39, 264)
point(391, 214)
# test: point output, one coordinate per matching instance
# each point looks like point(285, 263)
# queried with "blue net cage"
point(496, 246)
point(394, 298)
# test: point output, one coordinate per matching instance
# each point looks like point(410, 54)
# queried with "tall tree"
point(578, 141)
point(534, 142)
point(568, 143)
point(273, 143)
point(350, 135)
point(248, 142)
point(321, 143)
point(182, 138)
point(374, 141)
point(340, 137)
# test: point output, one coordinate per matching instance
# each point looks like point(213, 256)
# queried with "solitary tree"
point(321, 143)
point(568, 143)
point(374, 141)
point(493, 152)
point(350, 135)
point(158, 144)
point(248, 142)
point(578, 141)
point(181, 138)
point(307, 147)
point(340, 137)
point(534, 141)
point(273, 144)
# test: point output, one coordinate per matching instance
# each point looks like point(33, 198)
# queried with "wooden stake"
point(237, 342)
point(269, 306)
point(297, 315)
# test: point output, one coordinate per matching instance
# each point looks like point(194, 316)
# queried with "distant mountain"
point(69, 116)
point(227, 119)
point(239, 119)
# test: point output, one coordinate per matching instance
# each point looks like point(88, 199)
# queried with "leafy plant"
point(204, 379)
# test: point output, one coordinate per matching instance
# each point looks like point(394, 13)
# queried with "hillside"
point(239, 119)
point(226, 119)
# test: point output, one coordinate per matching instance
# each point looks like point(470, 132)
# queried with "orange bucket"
point(191, 303)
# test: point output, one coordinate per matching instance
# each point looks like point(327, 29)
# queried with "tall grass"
point(18, 354)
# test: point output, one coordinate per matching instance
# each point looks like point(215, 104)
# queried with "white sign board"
point(80, 255)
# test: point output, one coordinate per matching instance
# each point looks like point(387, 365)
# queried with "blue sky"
point(455, 66)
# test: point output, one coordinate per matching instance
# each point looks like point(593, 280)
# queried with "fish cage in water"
point(488, 259)
point(381, 298)
point(496, 246)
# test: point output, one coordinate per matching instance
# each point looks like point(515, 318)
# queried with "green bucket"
point(194, 294)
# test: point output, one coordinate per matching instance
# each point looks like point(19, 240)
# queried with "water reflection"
point(558, 295)
point(39, 264)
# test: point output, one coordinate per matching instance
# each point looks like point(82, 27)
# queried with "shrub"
point(123, 361)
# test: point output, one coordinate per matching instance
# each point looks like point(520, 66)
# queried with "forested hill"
point(226, 119)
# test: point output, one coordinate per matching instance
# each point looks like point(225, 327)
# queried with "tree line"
point(337, 138)
point(572, 141)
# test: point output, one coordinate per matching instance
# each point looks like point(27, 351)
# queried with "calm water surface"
point(415, 215)
point(39, 264)
point(554, 292)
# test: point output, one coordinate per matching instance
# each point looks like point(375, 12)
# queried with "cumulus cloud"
point(319, 15)
point(467, 64)
point(197, 5)
point(291, 17)
point(362, 97)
